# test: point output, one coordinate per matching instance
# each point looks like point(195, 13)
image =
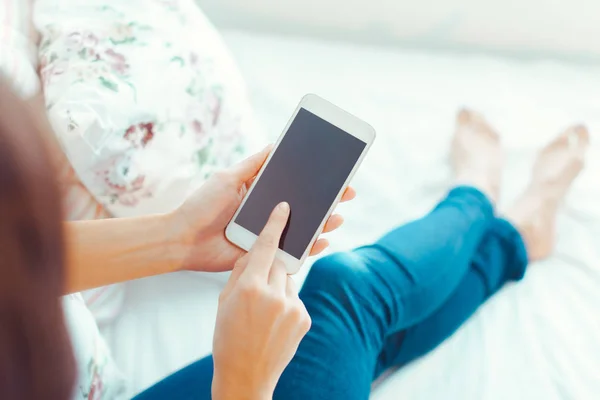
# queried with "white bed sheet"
point(539, 339)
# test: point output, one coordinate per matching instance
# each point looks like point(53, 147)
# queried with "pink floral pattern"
point(190, 122)
point(126, 187)
point(139, 135)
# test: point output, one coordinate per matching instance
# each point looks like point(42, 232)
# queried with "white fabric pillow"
point(144, 98)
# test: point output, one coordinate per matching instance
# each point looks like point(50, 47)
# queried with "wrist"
point(160, 233)
point(182, 240)
point(236, 389)
point(177, 241)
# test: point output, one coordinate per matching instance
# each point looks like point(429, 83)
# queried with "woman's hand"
point(198, 226)
point(260, 321)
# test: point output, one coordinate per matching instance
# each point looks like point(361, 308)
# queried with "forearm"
point(109, 251)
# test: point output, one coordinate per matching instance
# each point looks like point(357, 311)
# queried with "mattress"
point(538, 339)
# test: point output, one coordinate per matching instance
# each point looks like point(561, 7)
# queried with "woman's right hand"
point(260, 321)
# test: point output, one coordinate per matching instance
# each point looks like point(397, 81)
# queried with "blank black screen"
point(308, 169)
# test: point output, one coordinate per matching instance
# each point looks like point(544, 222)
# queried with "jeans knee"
point(337, 274)
point(339, 296)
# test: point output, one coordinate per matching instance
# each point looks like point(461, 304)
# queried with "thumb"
point(248, 168)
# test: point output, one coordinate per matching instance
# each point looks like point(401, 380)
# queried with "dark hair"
point(36, 360)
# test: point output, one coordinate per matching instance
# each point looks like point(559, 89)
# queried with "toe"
point(476, 121)
point(578, 140)
point(483, 127)
point(563, 140)
point(463, 116)
point(467, 116)
point(579, 136)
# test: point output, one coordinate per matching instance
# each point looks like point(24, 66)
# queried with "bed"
point(539, 339)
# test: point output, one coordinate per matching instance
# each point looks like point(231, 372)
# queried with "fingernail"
point(284, 207)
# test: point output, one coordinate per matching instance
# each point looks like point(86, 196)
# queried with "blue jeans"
point(385, 304)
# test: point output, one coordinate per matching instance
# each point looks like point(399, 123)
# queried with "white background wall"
point(570, 27)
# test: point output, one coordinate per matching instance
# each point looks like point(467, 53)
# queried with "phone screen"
point(308, 169)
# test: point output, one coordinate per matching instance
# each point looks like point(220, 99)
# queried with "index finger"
point(262, 253)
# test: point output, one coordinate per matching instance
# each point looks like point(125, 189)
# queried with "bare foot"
point(556, 167)
point(477, 156)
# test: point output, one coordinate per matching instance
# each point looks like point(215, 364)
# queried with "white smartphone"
point(310, 167)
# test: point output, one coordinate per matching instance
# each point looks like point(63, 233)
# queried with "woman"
point(375, 307)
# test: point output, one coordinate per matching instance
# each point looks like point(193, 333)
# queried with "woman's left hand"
point(199, 224)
